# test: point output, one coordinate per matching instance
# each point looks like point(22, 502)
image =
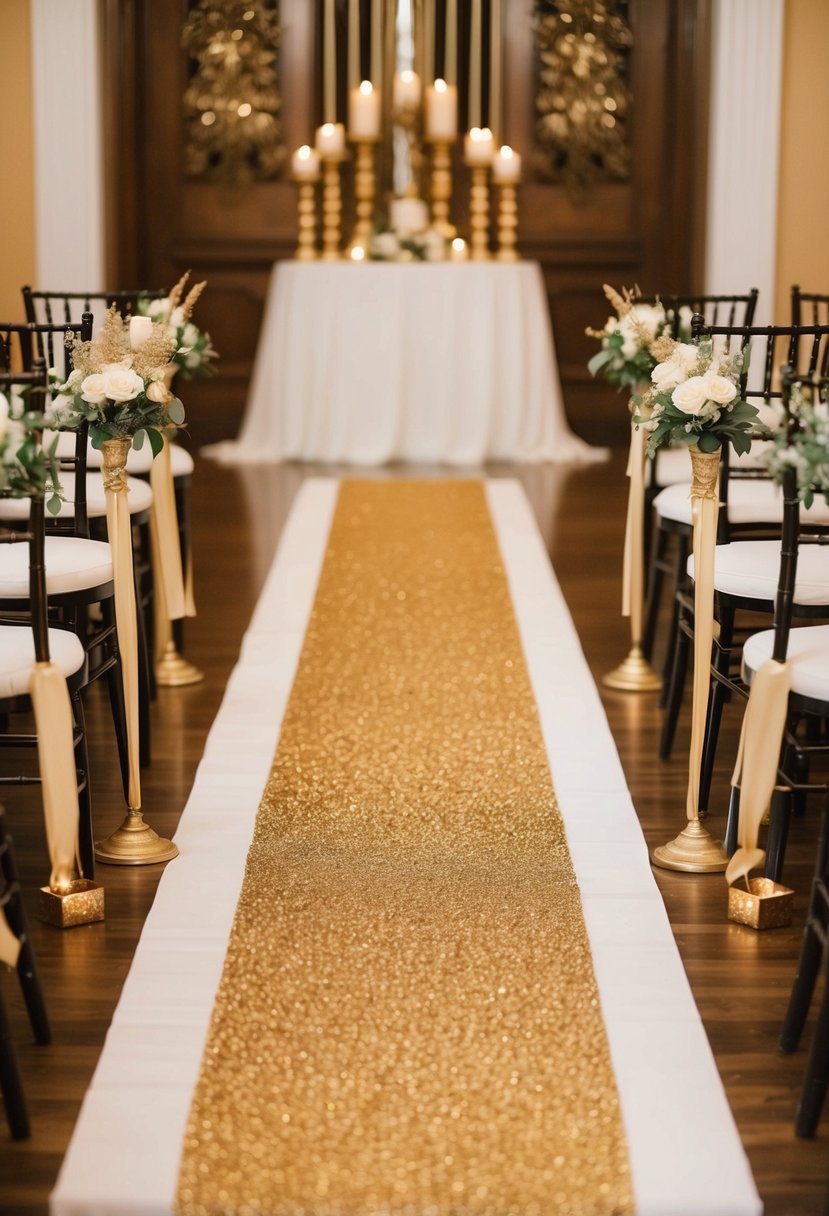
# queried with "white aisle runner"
point(686, 1155)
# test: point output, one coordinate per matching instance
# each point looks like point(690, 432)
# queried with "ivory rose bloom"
point(666, 376)
point(691, 396)
point(719, 388)
point(92, 389)
point(121, 383)
point(158, 392)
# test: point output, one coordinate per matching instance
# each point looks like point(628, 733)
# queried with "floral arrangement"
point(625, 358)
point(391, 245)
point(195, 352)
point(803, 446)
point(119, 383)
point(26, 467)
point(694, 398)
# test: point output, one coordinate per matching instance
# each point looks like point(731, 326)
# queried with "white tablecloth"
point(428, 362)
point(685, 1154)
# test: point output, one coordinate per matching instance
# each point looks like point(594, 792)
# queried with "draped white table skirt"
point(426, 362)
point(686, 1155)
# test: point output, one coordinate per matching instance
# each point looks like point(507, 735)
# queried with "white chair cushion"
point(72, 564)
point(138, 462)
point(752, 568)
point(17, 656)
point(808, 658)
point(749, 502)
point(140, 498)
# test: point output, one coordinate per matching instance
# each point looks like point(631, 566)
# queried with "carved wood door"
point(643, 227)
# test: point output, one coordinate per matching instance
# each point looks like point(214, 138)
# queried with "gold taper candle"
point(354, 71)
point(495, 122)
point(450, 58)
point(329, 64)
point(376, 66)
point(429, 40)
point(475, 115)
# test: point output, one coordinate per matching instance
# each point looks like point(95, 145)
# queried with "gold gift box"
point(82, 904)
point(766, 905)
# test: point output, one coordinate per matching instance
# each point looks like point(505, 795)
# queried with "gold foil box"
point(766, 905)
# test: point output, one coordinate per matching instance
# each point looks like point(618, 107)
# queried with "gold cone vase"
point(694, 849)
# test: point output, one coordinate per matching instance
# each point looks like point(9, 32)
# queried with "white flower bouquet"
point(804, 445)
point(194, 352)
point(694, 398)
point(625, 357)
point(119, 383)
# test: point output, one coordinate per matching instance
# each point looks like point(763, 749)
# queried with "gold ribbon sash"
point(408, 1019)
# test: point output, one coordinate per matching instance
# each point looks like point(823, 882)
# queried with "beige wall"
point(17, 230)
point(803, 201)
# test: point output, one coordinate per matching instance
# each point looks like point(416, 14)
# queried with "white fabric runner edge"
point(686, 1155)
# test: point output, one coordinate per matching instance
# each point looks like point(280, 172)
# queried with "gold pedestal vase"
point(135, 842)
point(634, 674)
point(694, 850)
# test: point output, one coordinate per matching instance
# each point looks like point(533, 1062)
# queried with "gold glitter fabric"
point(408, 1022)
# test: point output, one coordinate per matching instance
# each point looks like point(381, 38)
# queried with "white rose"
point(386, 244)
point(667, 375)
point(719, 389)
point(650, 317)
point(73, 384)
point(121, 383)
point(157, 309)
point(631, 337)
point(177, 317)
point(92, 389)
point(158, 392)
point(691, 396)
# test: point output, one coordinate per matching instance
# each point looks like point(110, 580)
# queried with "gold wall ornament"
point(231, 106)
point(583, 97)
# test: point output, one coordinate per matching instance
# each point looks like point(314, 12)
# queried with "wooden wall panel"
point(648, 230)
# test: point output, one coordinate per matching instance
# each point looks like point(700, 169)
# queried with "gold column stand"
point(441, 188)
point(306, 250)
point(364, 192)
point(135, 844)
point(172, 670)
point(332, 208)
point(634, 674)
point(507, 223)
point(479, 213)
point(694, 850)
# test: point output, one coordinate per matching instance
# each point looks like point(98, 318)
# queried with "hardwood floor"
point(740, 978)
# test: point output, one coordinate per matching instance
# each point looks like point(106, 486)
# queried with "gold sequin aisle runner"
point(408, 1019)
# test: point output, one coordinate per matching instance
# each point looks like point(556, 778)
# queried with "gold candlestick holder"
point(365, 186)
point(441, 188)
point(306, 250)
point(332, 208)
point(479, 213)
point(507, 222)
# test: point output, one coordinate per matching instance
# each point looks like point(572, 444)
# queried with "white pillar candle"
point(330, 139)
point(478, 146)
point(441, 118)
point(305, 164)
point(364, 112)
point(506, 166)
point(141, 328)
point(406, 91)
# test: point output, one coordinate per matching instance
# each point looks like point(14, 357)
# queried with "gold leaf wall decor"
point(583, 98)
point(232, 131)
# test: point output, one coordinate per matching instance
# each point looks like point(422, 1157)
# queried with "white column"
point(68, 155)
point(746, 69)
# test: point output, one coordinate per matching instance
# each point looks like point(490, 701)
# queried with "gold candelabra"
point(365, 185)
point(306, 250)
point(442, 188)
point(479, 213)
point(332, 207)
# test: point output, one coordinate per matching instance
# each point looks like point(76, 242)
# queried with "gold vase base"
point(173, 671)
point(635, 674)
point(135, 844)
point(693, 851)
point(81, 904)
point(766, 904)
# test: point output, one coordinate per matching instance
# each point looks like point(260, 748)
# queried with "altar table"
point(433, 363)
